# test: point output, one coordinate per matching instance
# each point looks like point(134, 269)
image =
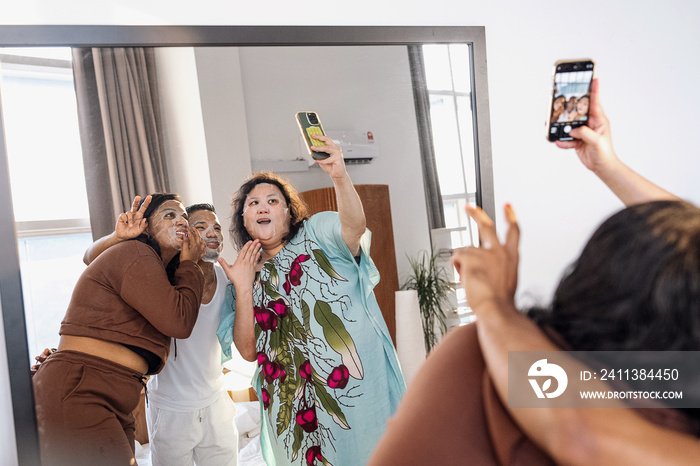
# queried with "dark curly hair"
point(298, 210)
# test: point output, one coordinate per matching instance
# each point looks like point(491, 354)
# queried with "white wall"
point(183, 127)
point(646, 58)
point(225, 123)
point(647, 66)
point(351, 88)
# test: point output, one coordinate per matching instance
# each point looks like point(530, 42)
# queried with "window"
point(449, 83)
point(48, 183)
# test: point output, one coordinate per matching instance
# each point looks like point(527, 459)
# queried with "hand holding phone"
point(571, 98)
point(309, 124)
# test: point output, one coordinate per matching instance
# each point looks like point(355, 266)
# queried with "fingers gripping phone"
point(309, 124)
point(568, 108)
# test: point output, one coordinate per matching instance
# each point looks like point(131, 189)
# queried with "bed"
point(247, 422)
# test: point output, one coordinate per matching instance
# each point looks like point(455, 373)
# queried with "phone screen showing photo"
point(571, 98)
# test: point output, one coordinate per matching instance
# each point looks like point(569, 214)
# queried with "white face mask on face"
point(169, 225)
point(266, 214)
point(207, 223)
point(212, 254)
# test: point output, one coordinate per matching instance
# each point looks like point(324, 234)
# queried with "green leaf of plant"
point(298, 438)
point(284, 416)
point(306, 315)
point(318, 379)
point(274, 276)
point(296, 328)
point(275, 340)
point(271, 292)
point(286, 399)
point(331, 406)
point(283, 325)
point(433, 287)
point(338, 338)
point(325, 265)
point(298, 358)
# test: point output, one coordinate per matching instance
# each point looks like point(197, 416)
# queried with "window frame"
point(33, 65)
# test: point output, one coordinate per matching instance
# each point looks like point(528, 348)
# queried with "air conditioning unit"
point(358, 146)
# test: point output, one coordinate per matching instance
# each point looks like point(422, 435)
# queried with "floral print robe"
point(328, 377)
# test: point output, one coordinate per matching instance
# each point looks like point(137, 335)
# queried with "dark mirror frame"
point(168, 36)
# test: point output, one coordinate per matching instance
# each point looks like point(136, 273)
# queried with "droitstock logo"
point(543, 371)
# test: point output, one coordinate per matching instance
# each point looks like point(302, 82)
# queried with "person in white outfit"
point(189, 414)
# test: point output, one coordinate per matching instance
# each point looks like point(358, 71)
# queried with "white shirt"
point(193, 379)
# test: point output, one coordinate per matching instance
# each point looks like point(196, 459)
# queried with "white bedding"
point(248, 425)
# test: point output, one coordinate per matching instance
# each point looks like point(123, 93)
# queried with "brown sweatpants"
point(83, 409)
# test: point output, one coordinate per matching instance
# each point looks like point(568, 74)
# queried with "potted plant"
point(433, 287)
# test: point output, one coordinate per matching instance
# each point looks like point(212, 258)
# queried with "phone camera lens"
point(313, 119)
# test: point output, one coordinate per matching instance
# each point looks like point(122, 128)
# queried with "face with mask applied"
point(207, 224)
point(266, 214)
point(168, 226)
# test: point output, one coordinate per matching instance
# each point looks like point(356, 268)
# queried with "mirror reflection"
point(225, 113)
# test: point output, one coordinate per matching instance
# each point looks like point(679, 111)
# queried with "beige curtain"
point(120, 129)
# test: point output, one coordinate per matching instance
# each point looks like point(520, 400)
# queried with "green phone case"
point(308, 128)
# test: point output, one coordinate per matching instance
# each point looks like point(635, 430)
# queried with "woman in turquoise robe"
point(328, 378)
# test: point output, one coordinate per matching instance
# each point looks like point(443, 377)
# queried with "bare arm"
point(129, 225)
point(594, 148)
point(350, 211)
point(570, 435)
point(242, 274)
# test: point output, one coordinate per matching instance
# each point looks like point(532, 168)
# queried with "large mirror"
point(227, 97)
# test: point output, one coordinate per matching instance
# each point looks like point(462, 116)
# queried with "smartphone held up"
point(571, 98)
point(310, 124)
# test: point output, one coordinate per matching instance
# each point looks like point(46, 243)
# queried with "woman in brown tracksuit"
point(117, 329)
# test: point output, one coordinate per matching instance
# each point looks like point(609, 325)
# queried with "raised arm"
point(129, 225)
point(571, 436)
point(350, 211)
point(242, 275)
point(594, 147)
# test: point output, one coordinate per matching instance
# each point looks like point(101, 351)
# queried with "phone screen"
point(571, 98)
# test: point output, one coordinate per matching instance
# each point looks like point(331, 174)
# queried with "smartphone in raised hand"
point(309, 124)
point(571, 98)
